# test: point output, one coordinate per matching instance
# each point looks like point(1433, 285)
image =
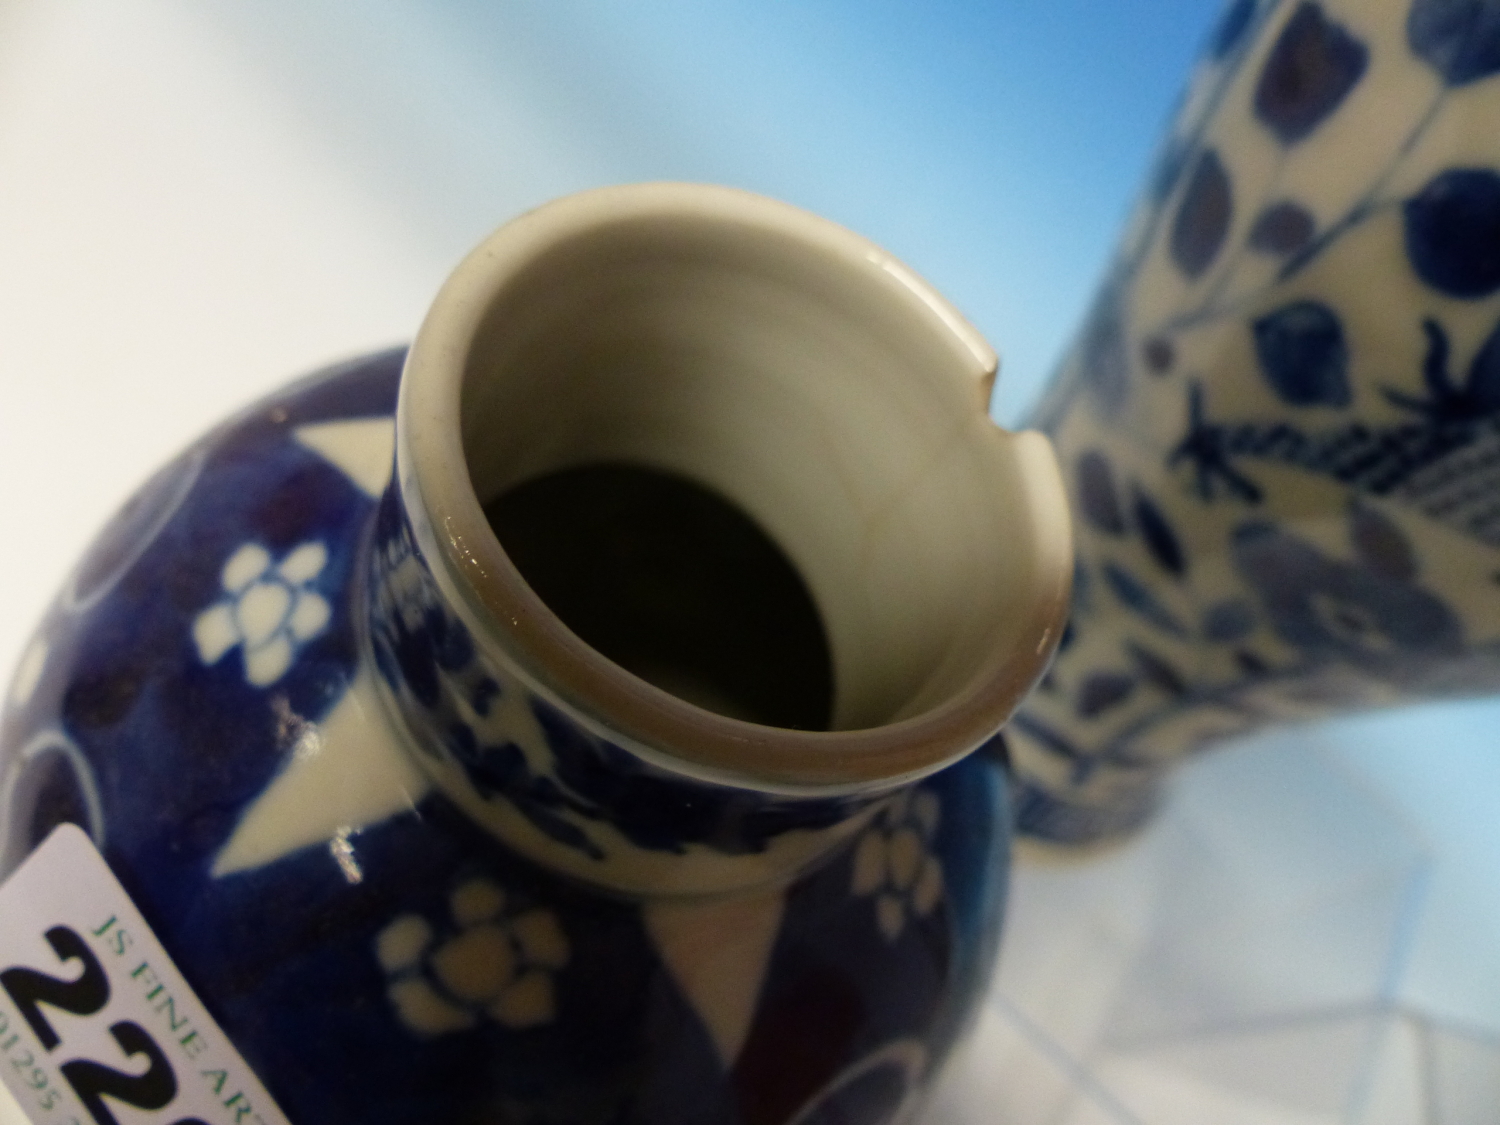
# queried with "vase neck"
point(557, 785)
point(814, 385)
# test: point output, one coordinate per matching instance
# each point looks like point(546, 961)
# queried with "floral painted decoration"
point(267, 611)
point(493, 963)
point(894, 864)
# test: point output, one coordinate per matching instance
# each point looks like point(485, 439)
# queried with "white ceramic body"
point(1280, 423)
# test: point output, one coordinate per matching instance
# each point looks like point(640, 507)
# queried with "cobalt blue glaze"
point(167, 708)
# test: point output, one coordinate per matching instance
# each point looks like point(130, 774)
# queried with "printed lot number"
point(87, 994)
point(101, 1027)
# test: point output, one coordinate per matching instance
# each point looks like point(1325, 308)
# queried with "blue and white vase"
point(426, 854)
point(1281, 424)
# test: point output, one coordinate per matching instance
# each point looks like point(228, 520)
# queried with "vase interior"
point(674, 584)
point(800, 378)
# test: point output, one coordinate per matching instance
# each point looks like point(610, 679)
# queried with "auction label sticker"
point(97, 1026)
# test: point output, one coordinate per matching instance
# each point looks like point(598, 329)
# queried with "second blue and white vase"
point(1281, 424)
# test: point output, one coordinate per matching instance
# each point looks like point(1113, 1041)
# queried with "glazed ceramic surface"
point(413, 879)
point(1279, 425)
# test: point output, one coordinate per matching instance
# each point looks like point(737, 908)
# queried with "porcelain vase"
point(434, 836)
point(1280, 426)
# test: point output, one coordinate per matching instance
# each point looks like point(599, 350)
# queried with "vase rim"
point(436, 489)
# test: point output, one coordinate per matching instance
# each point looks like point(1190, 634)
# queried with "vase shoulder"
point(205, 702)
point(400, 818)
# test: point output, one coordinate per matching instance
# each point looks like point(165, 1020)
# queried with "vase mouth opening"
point(793, 370)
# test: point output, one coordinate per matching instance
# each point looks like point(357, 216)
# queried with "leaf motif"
point(1283, 228)
point(1203, 216)
point(1158, 354)
point(1380, 544)
point(1136, 596)
point(1251, 664)
point(1453, 232)
point(1460, 39)
point(1083, 588)
point(553, 825)
point(1102, 691)
point(1097, 500)
point(1303, 355)
point(1346, 612)
point(1228, 621)
point(1309, 72)
point(1156, 670)
point(1160, 539)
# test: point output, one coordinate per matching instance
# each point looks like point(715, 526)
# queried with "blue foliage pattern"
point(1282, 228)
point(1311, 70)
point(449, 692)
point(1453, 232)
point(1211, 596)
point(1460, 39)
point(1355, 611)
point(1203, 216)
point(1303, 355)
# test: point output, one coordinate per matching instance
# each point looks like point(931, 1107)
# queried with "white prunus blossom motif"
point(495, 963)
point(269, 611)
point(894, 864)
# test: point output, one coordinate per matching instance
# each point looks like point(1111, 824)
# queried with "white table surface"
point(198, 201)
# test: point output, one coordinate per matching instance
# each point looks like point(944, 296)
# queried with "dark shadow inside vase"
point(675, 584)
